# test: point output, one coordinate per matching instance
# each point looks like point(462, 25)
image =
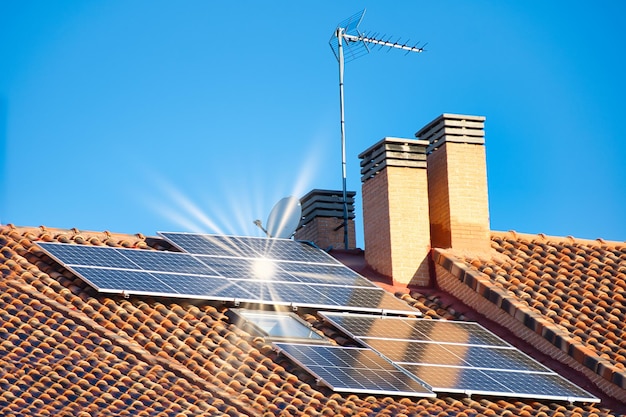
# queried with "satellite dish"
point(284, 218)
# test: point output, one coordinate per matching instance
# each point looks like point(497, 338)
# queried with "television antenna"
point(348, 43)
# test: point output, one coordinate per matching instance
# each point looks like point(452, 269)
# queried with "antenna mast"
point(348, 40)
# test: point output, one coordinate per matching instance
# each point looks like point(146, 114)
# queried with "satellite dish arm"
point(258, 224)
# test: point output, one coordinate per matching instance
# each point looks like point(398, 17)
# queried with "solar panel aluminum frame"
point(510, 393)
point(322, 381)
point(327, 315)
point(321, 306)
point(363, 340)
point(77, 270)
point(252, 252)
point(325, 296)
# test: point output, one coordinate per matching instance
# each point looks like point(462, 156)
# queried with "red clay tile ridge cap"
point(543, 238)
point(494, 255)
point(489, 255)
point(74, 235)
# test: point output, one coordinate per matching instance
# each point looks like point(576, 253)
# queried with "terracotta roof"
point(567, 294)
point(68, 350)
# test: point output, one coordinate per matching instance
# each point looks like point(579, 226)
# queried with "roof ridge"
point(542, 237)
point(42, 231)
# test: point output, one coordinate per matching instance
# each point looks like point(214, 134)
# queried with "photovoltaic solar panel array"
point(457, 357)
point(357, 370)
point(228, 268)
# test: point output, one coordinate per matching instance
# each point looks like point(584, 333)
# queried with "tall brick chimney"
point(457, 182)
point(322, 219)
point(395, 209)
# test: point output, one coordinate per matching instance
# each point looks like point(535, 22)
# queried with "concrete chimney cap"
point(390, 139)
point(452, 120)
point(453, 128)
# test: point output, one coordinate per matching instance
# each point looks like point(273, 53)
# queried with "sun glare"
point(240, 201)
point(263, 268)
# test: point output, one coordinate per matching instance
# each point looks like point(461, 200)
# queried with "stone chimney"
point(322, 219)
point(457, 182)
point(395, 209)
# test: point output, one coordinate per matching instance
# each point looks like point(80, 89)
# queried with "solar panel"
point(325, 274)
point(419, 329)
point(102, 256)
point(549, 386)
point(120, 280)
point(533, 385)
point(365, 299)
point(196, 286)
point(257, 279)
point(238, 268)
point(213, 245)
point(457, 357)
point(248, 247)
point(356, 370)
point(456, 380)
point(431, 353)
point(123, 258)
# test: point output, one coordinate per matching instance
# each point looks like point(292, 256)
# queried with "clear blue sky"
point(142, 116)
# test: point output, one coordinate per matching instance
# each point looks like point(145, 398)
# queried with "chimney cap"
point(391, 139)
point(325, 203)
point(396, 152)
point(456, 128)
point(325, 193)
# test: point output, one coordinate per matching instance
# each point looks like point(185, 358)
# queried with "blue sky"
point(145, 116)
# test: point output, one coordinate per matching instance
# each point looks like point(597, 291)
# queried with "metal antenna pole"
point(339, 35)
point(356, 46)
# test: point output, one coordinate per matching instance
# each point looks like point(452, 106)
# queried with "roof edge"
point(474, 288)
point(48, 234)
point(542, 237)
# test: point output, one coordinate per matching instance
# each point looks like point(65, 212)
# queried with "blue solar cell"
point(457, 357)
point(84, 255)
point(496, 358)
point(120, 280)
point(248, 247)
point(359, 325)
point(166, 262)
point(420, 329)
point(456, 332)
point(414, 351)
point(288, 250)
point(541, 385)
point(229, 267)
point(496, 382)
point(271, 293)
point(354, 370)
point(257, 270)
point(198, 286)
point(407, 351)
point(324, 274)
point(214, 245)
point(452, 379)
point(364, 299)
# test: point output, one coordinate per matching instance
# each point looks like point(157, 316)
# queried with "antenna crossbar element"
point(383, 43)
point(348, 43)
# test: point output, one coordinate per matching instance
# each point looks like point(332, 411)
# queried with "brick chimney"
point(322, 219)
point(457, 182)
point(395, 209)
